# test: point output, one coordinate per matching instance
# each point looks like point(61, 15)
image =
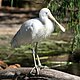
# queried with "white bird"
point(34, 30)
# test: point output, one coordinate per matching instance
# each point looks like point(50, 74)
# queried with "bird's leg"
point(34, 57)
point(38, 59)
point(39, 63)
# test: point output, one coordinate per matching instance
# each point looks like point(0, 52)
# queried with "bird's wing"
point(30, 31)
point(34, 27)
point(23, 35)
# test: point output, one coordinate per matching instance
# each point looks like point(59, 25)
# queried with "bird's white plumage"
point(34, 30)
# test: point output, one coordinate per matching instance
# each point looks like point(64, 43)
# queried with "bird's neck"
point(48, 24)
point(44, 20)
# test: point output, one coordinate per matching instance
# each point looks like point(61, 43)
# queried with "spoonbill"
point(34, 30)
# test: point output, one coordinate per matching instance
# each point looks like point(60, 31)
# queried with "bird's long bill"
point(52, 18)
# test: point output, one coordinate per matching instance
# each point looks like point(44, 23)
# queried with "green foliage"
point(76, 39)
point(11, 3)
point(69, 9)
point(14, 3)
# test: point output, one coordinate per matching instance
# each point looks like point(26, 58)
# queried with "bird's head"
point(45, 12)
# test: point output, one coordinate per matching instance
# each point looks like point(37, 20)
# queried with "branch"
point(49, 73)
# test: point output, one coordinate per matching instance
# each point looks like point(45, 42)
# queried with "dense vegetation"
point(69, 11)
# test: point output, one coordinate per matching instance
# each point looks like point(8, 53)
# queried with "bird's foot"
point(43, 67)
point(35, 71)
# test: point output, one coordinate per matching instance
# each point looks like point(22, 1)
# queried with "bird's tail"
point(14, 41)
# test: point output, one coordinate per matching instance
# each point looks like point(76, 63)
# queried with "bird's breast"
point(49, 28)
point(43, 31)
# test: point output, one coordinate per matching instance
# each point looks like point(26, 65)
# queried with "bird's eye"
point(46, 12)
